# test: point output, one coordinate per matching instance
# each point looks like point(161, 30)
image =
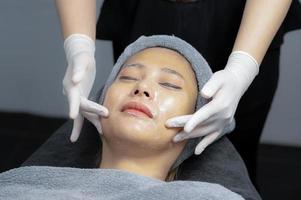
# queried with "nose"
point(145, 93)
point(143, 90)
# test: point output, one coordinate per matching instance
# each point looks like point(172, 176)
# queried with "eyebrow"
point(139, 65)
point(164, 69)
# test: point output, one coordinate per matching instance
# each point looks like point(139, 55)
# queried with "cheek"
point(112, 101)
point(174, 105)
point(114, 97)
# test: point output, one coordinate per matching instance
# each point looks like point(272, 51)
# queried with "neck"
point(154, 166)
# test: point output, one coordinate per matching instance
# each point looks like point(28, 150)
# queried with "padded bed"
point(219, 163)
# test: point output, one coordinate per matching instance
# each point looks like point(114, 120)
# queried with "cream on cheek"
point(173, 106)
point(170, 101)
point(167, 104)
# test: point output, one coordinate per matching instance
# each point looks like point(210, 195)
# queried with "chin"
point(138, 131)
point(136, 128)
point(126, 124)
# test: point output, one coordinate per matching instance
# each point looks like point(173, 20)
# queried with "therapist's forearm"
point(261, 21)
point(77, 16)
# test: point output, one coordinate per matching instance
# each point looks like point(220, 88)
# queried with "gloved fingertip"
point(177, 138)
point(206, 92)
point(174, 123)
point(198, 150)
point(106, 112)
point(99, 129)
point(168, 124)
point(73, 139)
point(73, 114)
point(187, 128)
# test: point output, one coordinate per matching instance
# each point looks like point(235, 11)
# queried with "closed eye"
point(164, 84)
point(171, 85)
point(127, 78)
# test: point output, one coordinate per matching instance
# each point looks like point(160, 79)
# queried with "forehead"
point(162, 58)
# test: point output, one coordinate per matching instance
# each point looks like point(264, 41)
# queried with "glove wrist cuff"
point(243, 65)
point(246, 55)
point(78, 43)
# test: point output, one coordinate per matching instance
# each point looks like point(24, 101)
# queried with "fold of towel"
point(44, 182)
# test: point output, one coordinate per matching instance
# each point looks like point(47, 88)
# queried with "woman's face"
point(158, 78)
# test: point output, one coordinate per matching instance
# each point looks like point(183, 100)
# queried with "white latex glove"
point(225, 87)
point(92, 111)
point(92, 114)
point(79, 78)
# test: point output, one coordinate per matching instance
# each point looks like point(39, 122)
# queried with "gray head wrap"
point(198, 63)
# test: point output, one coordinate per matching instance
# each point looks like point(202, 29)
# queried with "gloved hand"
point(79, 78)
point(225, 87)
point(92, 113)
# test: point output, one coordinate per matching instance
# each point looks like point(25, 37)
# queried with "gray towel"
point(198, 63)
point(47, 183)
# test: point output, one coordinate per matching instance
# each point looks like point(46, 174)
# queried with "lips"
point(139, 107)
